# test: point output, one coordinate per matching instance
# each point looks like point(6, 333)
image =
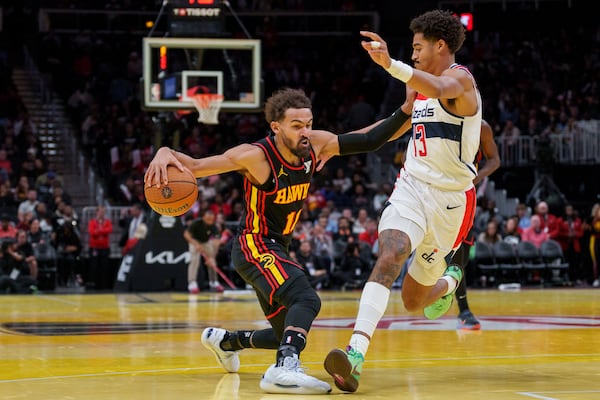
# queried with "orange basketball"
point(177, 197)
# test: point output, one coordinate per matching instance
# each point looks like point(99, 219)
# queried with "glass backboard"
point(177, 68)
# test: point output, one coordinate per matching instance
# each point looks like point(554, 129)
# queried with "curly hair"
point(281, 100)
point(439, 24)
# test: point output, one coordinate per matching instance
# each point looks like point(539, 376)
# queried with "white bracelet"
point(400, 70)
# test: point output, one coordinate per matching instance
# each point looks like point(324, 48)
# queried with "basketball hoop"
point(208, 106)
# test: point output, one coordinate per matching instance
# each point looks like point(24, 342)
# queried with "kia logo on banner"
point(158, 262)
point(167, 257)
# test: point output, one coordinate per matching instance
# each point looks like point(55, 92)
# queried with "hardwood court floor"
point(535, 344)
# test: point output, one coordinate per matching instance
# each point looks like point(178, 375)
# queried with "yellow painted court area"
point(534, 344)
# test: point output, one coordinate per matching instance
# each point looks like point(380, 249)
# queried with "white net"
point(208, 106)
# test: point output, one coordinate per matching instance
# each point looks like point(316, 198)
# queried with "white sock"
point(452, 284)
point(373, 302)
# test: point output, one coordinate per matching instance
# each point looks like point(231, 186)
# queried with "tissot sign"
point(195, 18)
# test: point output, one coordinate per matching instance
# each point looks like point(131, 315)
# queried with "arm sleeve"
point(355, 143)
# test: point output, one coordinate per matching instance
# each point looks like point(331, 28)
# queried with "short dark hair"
point(439, 24)
point(283, 99)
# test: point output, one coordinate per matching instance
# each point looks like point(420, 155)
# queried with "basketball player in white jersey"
point(433, 203)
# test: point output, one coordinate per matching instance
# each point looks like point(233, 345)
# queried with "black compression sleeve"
point(355, 143)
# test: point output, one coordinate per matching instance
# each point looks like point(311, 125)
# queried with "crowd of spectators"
point(34, 205)
point(576, 234)
point(533, 83)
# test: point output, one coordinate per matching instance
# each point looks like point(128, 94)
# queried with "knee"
point(310, 300)
point(411, 304)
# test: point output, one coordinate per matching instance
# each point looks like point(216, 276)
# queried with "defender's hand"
point(380, 53)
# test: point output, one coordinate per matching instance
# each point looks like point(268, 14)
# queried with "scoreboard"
point(196, 18)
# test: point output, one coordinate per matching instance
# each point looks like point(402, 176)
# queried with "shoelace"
point(292, 363)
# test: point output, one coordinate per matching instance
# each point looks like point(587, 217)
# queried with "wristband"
point(400, 70)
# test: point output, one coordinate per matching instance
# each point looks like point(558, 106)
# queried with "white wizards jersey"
point(443, 146)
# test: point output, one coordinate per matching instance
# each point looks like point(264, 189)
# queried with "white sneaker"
point(596, 283)
point(211, 339)
point(193, 287)
point(291, 379)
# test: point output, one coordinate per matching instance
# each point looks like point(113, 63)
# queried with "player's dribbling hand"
point(378, 53)
point(156, 174)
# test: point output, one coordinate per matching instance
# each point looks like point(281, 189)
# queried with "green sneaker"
point(442, 305)
point(345, 368)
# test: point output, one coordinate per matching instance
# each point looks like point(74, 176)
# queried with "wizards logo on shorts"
point(429, 257)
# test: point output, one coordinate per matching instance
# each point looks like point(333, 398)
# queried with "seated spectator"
point(344, 230)
point(535, 234)
point(34, 163)
point(22, 189)
point(523, 215)
point(7, 227)
point(47, 220)
point(341, 238)
point(44, 184)
point(318, 273)
point(487, 212)
point(491, 234)
point(381, 196)
point(8, 203)
point(341, 180)
point(512, 232)
point(25, 251)
point(370, 235)
point(361, 197)
point(333, 215)
point(36, 235)
point(360, 223)
point(219, 206)
point(6, 169)
point(14, 274)
point(322, 245)
point(323, 221)
point(25, 223)
point(208, 191)
point(68, 248)
point(549, 222)
point(353, 270)
point(315, 201)
point(27, 205)
point(340, 198)
point(66, 215)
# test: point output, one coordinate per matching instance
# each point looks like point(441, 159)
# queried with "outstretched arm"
point(450, 84)
point(370, 138)
point(243, 158)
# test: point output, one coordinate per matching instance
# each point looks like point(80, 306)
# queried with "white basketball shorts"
point(436, 221)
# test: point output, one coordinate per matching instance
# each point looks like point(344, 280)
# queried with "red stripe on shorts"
point(468, 217)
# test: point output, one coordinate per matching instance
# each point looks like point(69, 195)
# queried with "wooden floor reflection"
point(534, 344)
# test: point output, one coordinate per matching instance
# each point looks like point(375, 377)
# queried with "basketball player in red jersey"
point(277, 171)
point(432, 206)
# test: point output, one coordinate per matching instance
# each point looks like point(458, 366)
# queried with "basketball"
point(177, 197)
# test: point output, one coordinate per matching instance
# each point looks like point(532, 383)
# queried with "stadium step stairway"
point(57, 138)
